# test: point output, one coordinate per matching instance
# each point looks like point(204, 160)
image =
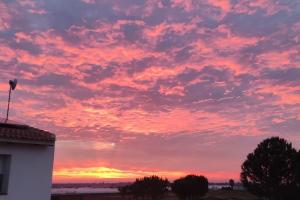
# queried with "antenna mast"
point(12, 86)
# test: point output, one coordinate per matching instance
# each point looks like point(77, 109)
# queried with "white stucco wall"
point(30, 171)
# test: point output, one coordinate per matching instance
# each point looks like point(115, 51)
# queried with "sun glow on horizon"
point(95, 174)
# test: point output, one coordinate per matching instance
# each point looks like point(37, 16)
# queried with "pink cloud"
point(186, 4)
point(5, 17)
point(224, 5)
point(276, 59)
point(158, 75)
point(6, 53)
point(177, 90)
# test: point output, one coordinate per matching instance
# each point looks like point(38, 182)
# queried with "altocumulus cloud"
point(173, 86)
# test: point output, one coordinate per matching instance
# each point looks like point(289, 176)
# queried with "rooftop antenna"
point(12, 86)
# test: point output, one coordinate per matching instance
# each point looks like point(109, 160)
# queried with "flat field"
point(212, 195)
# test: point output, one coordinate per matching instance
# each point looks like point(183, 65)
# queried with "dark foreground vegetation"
point(271, 172)
point(211, 195)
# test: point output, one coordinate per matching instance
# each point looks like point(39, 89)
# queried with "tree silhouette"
point(296, 191)
point(231, 183)
point(190, 187)
point(269, 170)
point(297, 168)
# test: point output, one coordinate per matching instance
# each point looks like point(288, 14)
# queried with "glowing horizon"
point(142, 87)
point(100, 174)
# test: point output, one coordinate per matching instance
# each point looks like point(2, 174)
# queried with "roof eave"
point(44, 143)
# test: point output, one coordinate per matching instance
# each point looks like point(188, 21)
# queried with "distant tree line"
point(155, 188)
point(272, 171)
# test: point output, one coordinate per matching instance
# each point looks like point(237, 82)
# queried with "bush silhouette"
point(231, 183)
point(125, 191)
point(269, 171)
point(190, 187)
point(152, 187)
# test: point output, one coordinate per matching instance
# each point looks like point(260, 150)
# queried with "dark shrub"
point(269, 170)
point(231, 183)
point(190, 187)
point(226, 188)
point(152, 187)
point(125, 191)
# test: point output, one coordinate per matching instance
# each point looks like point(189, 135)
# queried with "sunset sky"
point(141, 87)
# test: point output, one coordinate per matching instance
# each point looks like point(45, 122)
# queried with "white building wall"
point(30, 171)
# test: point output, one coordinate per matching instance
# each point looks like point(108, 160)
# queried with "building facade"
point(26, 162)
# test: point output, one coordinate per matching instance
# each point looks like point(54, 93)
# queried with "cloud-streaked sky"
point(139, 87)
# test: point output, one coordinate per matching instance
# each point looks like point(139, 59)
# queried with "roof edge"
point(42, 143)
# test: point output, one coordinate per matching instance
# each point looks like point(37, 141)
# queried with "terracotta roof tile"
point(23, 133)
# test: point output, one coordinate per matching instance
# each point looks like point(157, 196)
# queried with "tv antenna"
point(12, 86)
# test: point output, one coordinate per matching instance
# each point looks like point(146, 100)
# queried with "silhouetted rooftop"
point(13, 132)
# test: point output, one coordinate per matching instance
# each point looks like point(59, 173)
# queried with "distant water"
point(84, 190)
point(217, 187)
point(94, 190)
point(220, 186)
